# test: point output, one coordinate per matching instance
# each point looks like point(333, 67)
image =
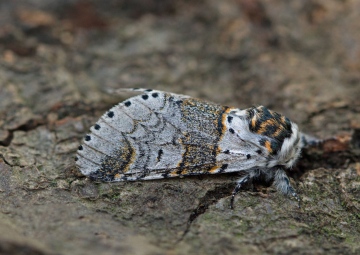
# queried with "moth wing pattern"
point(156, 135)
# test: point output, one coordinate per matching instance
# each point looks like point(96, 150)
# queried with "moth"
point(158, 135)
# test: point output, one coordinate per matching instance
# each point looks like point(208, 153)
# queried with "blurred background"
point(57, 57)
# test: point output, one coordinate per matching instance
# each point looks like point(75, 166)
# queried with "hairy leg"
point(282, 183)
point(237, 188)
point(249, 176)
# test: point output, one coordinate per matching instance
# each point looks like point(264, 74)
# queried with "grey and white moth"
point(158, 135)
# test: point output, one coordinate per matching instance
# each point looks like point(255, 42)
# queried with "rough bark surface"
point(300, 58)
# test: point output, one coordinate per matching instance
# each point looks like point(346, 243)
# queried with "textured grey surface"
point(298, 58)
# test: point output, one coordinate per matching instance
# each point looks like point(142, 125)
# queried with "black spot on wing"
point(110, 114)
point(160, 153)
point(223, 168)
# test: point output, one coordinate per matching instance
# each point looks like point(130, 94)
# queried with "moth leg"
point(237, 188)
point(282, 183)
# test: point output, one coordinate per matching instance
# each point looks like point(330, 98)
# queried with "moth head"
point(278, 136)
